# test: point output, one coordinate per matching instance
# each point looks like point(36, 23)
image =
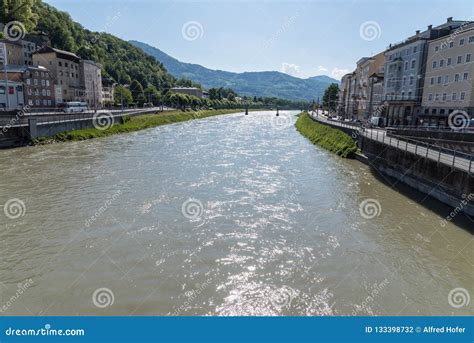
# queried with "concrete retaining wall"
point(448, 185)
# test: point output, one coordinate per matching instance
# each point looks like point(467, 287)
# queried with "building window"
point(430, 97)
point(411, 80)
point(28, 81)
point(48, 92)
point(432, 80)
point(65, 64)
point(441, 63)
point(436, 48)
point(2, 89)
point(471, 39)
point(459, 59)
point(444, 96)
point(463, 95)
point(439, 80)
point(414, 49)
point(451, 44)
point(60, 63)
point(406, 65)
point(434, 65)
point(454, 96)
point(35, 82)
point(413, 62)
point(465, 76)
point(37, 102)
point(456, 78)
point(461, 42)
point(409, 95)
point(446, 79)
point(436, 97)
point(449, 61)
point(49, 102)
point(468, 58)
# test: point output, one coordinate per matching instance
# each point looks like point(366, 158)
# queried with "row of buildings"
point(35, 74)
point(418, 81)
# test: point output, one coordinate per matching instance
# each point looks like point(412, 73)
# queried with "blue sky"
point(301, 38)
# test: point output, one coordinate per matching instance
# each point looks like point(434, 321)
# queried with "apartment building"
point(65, 71)
point(344, 95)
point(108, 88)
point(361, 88)
point(449, 77)
point(11, 52)
point(405, 66)
point(38, 88)
point(91, 82)
point(11, 95)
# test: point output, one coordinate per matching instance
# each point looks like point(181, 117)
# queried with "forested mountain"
point(122, 61)
point(261, 84)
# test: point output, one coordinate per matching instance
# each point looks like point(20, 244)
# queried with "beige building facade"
point(449, 77)
point(91, 81)
point(64, 67)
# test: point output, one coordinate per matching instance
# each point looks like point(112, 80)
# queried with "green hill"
point(121, 60)
point(261, 84)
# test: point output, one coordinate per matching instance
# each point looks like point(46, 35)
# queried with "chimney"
point(450, 19)
point(417, 32)
point(430, 27)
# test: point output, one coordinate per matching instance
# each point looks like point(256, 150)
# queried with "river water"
point(230, 215)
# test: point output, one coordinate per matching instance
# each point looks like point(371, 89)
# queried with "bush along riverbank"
point(327, 137)
point(105, 126)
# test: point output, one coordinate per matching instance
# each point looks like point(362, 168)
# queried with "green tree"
point(122, 94)
point(152, 95)
point(330, 97)
point(19, 10)
point(136, 89)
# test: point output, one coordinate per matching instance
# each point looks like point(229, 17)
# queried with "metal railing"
point(450, 157)
point(45, 118)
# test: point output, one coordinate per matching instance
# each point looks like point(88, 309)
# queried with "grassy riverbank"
point(325, 136)
point(132, 124)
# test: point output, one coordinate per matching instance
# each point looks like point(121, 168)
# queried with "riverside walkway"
point(436, 153)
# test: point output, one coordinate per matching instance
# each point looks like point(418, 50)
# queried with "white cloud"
point(290, 69)
point(338, 73)
point(322, 69)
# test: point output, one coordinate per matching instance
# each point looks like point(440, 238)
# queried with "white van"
point(74, 107)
